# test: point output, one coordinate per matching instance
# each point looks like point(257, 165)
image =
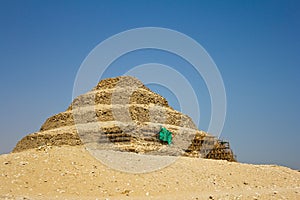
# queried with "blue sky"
point(255, 45)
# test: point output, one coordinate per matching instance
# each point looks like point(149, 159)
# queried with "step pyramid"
point(122, 114)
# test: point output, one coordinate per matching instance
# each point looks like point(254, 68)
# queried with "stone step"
point(123, 113)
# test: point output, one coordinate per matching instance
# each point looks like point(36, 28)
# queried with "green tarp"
point(165, 135)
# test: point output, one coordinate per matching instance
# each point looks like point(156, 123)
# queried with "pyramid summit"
point(122, 114)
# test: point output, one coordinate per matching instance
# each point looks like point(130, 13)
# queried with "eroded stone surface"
point(122, 114)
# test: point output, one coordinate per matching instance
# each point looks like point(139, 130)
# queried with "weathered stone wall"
point(123, 114)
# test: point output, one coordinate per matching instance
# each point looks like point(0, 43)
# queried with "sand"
point(72, 173)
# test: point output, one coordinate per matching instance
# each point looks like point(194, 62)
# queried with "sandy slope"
point(72, 173)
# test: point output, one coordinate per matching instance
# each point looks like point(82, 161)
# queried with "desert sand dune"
point(72, 173)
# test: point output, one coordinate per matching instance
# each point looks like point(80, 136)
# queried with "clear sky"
point(255, 45)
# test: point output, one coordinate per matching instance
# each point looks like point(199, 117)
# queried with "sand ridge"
point(70, 172)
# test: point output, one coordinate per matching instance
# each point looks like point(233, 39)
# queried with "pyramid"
point(122, 114)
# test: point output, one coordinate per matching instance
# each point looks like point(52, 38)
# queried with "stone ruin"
point(122, 114)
